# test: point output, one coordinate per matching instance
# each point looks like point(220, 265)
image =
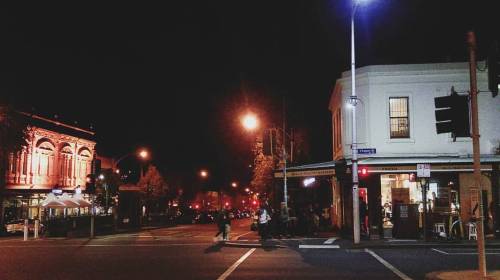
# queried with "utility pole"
point(471, 40)
point(285, 195)
point(354, 144)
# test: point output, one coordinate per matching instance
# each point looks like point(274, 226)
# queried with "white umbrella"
point(51, 201)
point(81, 202)
point(68, 201)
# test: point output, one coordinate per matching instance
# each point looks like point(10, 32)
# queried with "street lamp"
point(234, 184)
point(354, 145)
point(141, 154)
point(204, 174)
point(250, 122)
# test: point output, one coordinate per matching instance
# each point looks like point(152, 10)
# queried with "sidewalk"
point(462, 275)
point(395, 243)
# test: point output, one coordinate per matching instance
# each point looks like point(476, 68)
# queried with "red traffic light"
point(363, 171)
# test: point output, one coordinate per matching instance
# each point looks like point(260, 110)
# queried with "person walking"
point(264, 219)
point(221, 225)
point(227, 226)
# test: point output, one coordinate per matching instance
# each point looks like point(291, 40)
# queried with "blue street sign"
point(367, 151)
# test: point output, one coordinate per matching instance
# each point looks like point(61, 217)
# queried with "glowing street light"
point(143, 154)
point(204, 173)
point(234, 184)
point(247, 190)
point(250, 121)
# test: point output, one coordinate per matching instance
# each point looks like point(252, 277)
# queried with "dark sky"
point(176, 77)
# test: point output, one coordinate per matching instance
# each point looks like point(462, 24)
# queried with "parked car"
point(17, 226)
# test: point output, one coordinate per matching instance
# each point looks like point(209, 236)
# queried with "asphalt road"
point(188, 252)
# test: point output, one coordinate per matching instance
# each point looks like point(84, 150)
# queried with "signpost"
point(423, 173)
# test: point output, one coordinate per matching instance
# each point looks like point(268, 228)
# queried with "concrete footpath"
point(461, 275)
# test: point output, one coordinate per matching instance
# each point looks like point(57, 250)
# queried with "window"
point(337, 132)
point(398, 115)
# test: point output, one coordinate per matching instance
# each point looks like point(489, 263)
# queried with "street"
point(188, 252)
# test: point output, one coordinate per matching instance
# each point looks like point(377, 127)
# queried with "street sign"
point(367, 151)
point(423, 170)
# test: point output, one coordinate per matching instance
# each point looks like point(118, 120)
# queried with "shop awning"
point(64, 201)
point(439, 163)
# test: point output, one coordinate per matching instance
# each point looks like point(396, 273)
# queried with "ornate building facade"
point(58, 157)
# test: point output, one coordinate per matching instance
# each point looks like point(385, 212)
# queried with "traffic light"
point(494, 70)
point(452, 114)
point(90, 184)
point(363, 171)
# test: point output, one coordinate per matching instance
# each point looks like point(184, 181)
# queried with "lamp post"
point(142, 154)
point(250, 122)
point(353, 100)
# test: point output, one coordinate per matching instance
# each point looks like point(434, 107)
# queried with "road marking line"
point(235, 265)
point(236, 238)
point(330, 241)
point(440, 251)
point(388, 265)
point(319, 246)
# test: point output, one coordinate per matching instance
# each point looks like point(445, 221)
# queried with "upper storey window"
point(399, 117)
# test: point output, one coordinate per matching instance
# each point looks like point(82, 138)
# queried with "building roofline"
point(57, 123)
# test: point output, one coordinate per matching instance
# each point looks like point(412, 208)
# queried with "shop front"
point(27, 205)
point(398, 203)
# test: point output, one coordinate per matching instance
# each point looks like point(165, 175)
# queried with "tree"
point(107, 188)
point(262, 178)
point(153, 190)
point(14, 134)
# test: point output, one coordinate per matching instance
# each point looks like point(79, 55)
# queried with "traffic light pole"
point(471, 40)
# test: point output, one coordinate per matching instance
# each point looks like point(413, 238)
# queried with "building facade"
point(395, 132)
point(57, 158)
point(396, 127)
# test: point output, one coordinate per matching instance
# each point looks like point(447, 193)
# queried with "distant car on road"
point(17, 226)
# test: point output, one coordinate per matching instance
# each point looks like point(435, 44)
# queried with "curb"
point(426, 245)
point(470, 274)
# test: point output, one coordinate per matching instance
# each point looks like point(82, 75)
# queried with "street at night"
point(188, 252)
point(326, 139)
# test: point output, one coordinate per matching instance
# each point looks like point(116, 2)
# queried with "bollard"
point(92, 226)
point(25, 230)
point(37, 228)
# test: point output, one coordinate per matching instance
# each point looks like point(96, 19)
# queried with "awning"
point(439, 163)
point(65, 201)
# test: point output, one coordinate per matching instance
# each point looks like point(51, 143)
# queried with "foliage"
point(262, 178)
point(107, 188)
point(152, 183)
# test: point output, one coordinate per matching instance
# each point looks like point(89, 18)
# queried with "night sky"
point(176, 77)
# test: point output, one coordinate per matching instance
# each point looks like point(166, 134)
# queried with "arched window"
point(45, 150)
point(84, 162)
point(65, 164)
